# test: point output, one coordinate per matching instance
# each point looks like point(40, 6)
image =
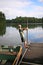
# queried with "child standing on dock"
point(22, 35)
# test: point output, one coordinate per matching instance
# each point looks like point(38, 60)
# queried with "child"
point(22, 35)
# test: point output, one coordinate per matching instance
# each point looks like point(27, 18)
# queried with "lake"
point(10, 35)
point(34, 35)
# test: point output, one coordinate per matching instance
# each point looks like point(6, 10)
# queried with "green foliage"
point(42, 20)
point(18, 20)
point(2, 23)
point(23, 21)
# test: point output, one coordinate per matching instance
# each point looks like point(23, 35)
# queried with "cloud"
point(36, 11)
point(14, 3)
point(40, 1)
point(13, 8)
point(39, 8)
point(14, 12)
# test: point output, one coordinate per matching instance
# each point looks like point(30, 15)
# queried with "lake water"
point(12, 36)
point(35, 35)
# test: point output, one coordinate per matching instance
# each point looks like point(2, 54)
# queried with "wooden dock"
point(33, 55)
point(18, 57)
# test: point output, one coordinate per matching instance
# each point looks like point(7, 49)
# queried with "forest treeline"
point(2, 23)
point(2, 20)
point(19, 20)
point(25, 19)
point(32, 21)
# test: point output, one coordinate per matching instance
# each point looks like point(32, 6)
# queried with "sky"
point(24, 8)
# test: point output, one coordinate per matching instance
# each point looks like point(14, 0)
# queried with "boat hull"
point(9, 55)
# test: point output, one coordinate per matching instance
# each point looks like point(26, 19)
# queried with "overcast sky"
point(15, 8)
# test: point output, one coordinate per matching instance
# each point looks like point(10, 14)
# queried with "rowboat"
point(10, 53)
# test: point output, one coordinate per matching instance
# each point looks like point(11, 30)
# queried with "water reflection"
point(12, 37)
point(35, 35)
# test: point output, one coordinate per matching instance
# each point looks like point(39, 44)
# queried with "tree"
point(2, 23)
